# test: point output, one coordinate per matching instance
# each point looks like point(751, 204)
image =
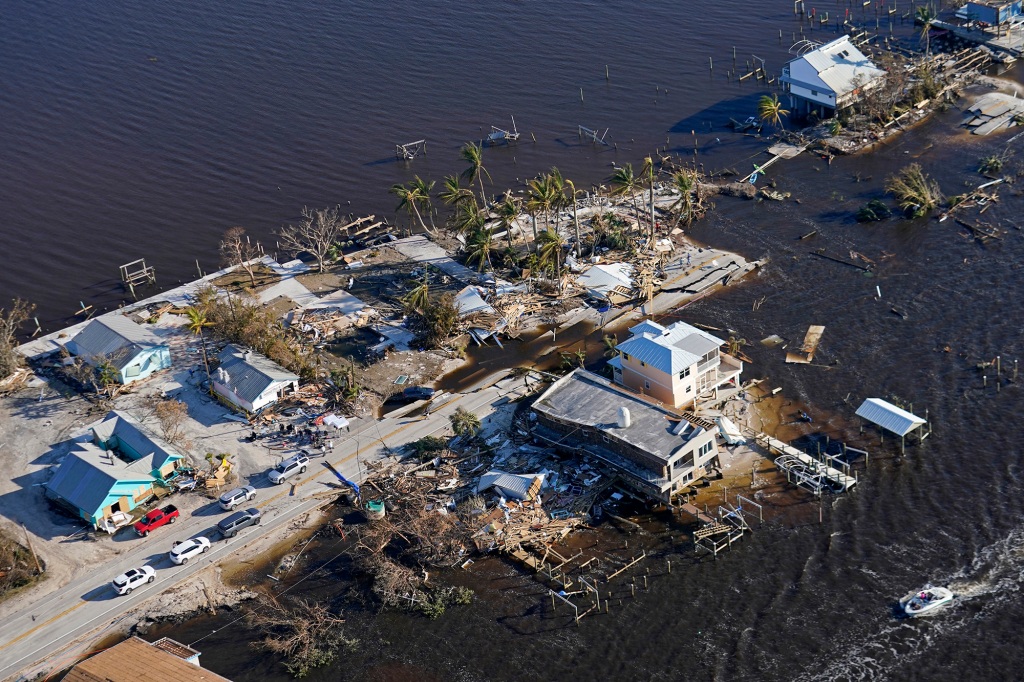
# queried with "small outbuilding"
point(512, 486)
point(890, 417)
point(250, 380)
point(133, 351)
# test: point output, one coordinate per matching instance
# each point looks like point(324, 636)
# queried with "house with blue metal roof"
point(676, 364)
point(251, 381)
point(114, 468)
point(133, 351)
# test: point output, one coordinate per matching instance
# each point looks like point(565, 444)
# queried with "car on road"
point(132, 578)
point(230, 525)
point(233, 498)
point(296, 464)
point(181, 552)
point(418, 393)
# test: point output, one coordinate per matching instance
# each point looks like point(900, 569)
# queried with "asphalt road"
point(39, 630)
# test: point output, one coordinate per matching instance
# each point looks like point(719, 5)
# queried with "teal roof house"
point(113, 469)
point(132, 350)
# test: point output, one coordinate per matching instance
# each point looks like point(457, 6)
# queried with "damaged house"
point(656, 451)
point(132, 351)
point(251, 381)
point(829, 78)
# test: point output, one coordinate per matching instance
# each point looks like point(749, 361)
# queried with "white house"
point(133, 351)
point(250, 380)
point(674, 364)
point(828, 78)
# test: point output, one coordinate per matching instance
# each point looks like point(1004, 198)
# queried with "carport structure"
point(891, 418)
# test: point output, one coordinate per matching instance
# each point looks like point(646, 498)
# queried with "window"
point(625, 356)
point(689, 388)
point(685, 373)
point(704, 449)
point(132, 371)
point(643, 364)
point(647, 385)
point(814, 93)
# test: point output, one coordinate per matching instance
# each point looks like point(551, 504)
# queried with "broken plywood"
point(805, 355)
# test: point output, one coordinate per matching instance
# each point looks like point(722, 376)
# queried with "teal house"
point(133, 351)
point(115, 468)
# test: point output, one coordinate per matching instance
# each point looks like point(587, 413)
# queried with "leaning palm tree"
point(196, 323)
point(464, 422)
point(550, 253)
point(468, 218)
point(454, 193)
point(473, 154)
point(418, 298)
point(925, 15)
point(478, 249)
point(769, 110)
point(508, 210)
point(411, 197)
point(624, 183)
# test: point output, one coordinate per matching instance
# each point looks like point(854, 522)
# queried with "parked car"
point(155, 519)
point(181, 552)
point(233, 498)
point(296, 464)
point(418, 393)
point(132, 578)
point(230, 525)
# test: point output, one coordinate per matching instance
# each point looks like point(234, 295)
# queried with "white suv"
point(293, 465)
point(132, 578)
point(183, 551)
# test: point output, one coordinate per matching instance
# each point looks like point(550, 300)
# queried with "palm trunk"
point(206, 360)
point(533, 216)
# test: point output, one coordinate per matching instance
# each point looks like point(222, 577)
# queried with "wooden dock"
point(807, 469)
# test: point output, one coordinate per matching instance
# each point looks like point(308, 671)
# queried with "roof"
point(511, 485)
point(131, 435)
point(88, 474)
point(135, 660)
point(248, 377)
point(587, 399)
point(604, 278)
point(888, 416)
point(470, 302)
point(841, 66)
point(115, 337)
point(671, 350)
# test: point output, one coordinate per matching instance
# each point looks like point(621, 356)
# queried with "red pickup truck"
point(155, 519)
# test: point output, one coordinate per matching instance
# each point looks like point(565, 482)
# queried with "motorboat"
point(926, 600)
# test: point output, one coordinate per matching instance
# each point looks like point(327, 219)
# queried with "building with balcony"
point(677, 365)
point(828, 78)
point(656, 451)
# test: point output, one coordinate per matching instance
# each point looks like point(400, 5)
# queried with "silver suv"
point(233, 498)
point(293, 465)
point(229, 526)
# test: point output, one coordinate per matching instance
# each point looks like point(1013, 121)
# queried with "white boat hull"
point(925, 601)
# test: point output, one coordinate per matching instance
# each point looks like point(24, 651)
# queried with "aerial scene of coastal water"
point(141, 130)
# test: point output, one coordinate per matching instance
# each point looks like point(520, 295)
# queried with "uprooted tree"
point(915, 192)
point(237, 250)
point(306, 634)
point(10, 321)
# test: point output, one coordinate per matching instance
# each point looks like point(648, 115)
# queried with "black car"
point(418, 393)
point(230, 525)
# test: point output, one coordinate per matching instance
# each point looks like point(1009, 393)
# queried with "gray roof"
point(588, 399)
point(115, 337)
point(670, 350)
point(153, 449)
point(87, 474)
point(888, 416)
point(249, 378)
point(841, 66)
point(510, 485)
point(605, 277)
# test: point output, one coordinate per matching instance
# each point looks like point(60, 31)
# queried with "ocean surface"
point(138, 130)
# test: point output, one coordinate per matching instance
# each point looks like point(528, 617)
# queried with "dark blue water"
point(134, 130)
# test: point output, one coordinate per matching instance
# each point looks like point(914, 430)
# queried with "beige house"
point(676, 365)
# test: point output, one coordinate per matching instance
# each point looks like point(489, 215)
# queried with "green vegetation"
point(915, 192)
point(873, 211)
point(464, 423)
point(769, 110)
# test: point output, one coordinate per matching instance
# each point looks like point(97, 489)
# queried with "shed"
point(889, 417)
point(512, 486)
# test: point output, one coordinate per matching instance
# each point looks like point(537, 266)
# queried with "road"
point(40, 629)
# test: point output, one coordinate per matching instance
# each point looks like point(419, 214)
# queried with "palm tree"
point(539, 198)
point(647, 173)
point(769, 110)
point(550, 253)
point(411, 197)
point(473, 154)
point(684, 182)
point(196, 323)
point(558, 199)
point(508, 210)
point(419, 297)
point(468, 218)
point(464, 422)
point(575, 217)
point(479, 249)
point(925, 15)
point(454, 193)
point(624, 182)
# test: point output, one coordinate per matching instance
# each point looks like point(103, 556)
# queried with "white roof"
point(603, 278)
point(841, 66)
point(888, 416)
point(670, 350)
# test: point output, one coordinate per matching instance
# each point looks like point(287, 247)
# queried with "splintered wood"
point(810, 345)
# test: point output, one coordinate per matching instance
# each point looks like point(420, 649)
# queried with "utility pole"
point(28, 541)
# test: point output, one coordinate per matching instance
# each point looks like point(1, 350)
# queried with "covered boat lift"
point(893, 419)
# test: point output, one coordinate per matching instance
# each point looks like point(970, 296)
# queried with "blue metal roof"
point(88, 477)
